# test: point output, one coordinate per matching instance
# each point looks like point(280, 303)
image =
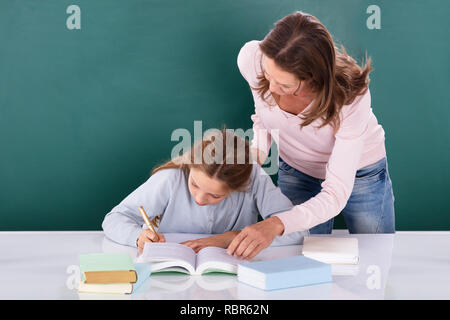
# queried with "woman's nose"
point(274, 88)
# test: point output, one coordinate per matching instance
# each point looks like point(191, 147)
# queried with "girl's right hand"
point(148, 236)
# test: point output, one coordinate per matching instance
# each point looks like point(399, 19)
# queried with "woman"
point(331, 147)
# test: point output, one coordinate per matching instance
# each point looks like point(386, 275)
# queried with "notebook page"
point(157, 252)
point(216, 259)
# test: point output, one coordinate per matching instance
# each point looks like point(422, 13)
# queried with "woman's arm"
point(258, 155)
point(336, 189)
point(270, 201)
point(340, 171)
point(262, 140)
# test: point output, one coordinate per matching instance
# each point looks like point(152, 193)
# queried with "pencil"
point(147, 221)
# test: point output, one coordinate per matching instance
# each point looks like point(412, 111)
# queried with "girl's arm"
point(123, 224)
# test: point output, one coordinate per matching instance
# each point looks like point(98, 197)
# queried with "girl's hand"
point(222, 241)
point(148, 236)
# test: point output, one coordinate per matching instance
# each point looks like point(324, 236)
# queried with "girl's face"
point(204, 189)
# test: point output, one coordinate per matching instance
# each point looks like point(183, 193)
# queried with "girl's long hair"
point(300, 44)
point(222, 155)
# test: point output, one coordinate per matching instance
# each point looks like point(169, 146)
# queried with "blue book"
point(284, 273)
point(144, 271)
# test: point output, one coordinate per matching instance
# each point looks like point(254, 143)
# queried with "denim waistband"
point(363, 171)
point(371, 167)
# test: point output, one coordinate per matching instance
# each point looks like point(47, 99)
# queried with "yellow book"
point(107, 268)
point(143, 271)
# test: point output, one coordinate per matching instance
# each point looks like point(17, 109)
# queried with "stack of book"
point(342, 253)
point(111, 273)
point(322, 257)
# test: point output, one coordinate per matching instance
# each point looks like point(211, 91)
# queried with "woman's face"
point(204, 189)
point(281, 82)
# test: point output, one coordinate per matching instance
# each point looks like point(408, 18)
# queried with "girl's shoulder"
point(172, 176)
point(258, 176)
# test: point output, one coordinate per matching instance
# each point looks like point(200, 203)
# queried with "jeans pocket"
point(376, 174)
point(283, 166)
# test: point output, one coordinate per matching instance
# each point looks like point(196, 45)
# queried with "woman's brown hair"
point(301, 45)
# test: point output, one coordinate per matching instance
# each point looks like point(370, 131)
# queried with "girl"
point(220, 194)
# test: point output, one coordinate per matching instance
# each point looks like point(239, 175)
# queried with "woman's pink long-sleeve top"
point(320, 153)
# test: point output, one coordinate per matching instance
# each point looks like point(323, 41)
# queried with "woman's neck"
point(293, 104)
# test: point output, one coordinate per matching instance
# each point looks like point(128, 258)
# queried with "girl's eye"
point(215, 197)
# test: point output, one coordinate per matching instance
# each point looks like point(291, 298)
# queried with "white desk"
point(407, 265)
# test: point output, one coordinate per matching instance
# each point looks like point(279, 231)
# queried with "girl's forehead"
point(206, 183)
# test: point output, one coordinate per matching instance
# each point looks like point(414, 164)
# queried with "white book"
point(175, 257)
point(331, 250)
point(118, 288)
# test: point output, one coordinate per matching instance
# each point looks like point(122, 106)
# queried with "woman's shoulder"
point(248, 61)
point(355, 116)
point(361, 104)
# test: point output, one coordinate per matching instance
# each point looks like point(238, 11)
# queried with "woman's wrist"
point(278, 225)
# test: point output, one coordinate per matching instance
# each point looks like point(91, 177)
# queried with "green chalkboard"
point(86, 113)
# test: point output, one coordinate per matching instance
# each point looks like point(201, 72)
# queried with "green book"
point(107, 268)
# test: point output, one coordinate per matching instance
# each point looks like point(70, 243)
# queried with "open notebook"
point(175, 257)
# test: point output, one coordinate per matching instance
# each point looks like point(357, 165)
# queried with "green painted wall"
point(86, 114)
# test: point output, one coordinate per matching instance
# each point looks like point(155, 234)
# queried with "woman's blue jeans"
point(370, 208)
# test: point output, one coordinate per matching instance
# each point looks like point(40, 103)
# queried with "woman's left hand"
point(252, 239)
point(221, 241)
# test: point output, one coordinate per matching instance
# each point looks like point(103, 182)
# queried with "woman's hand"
point(222, 241)
point(148, 236)
point(252, 239)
